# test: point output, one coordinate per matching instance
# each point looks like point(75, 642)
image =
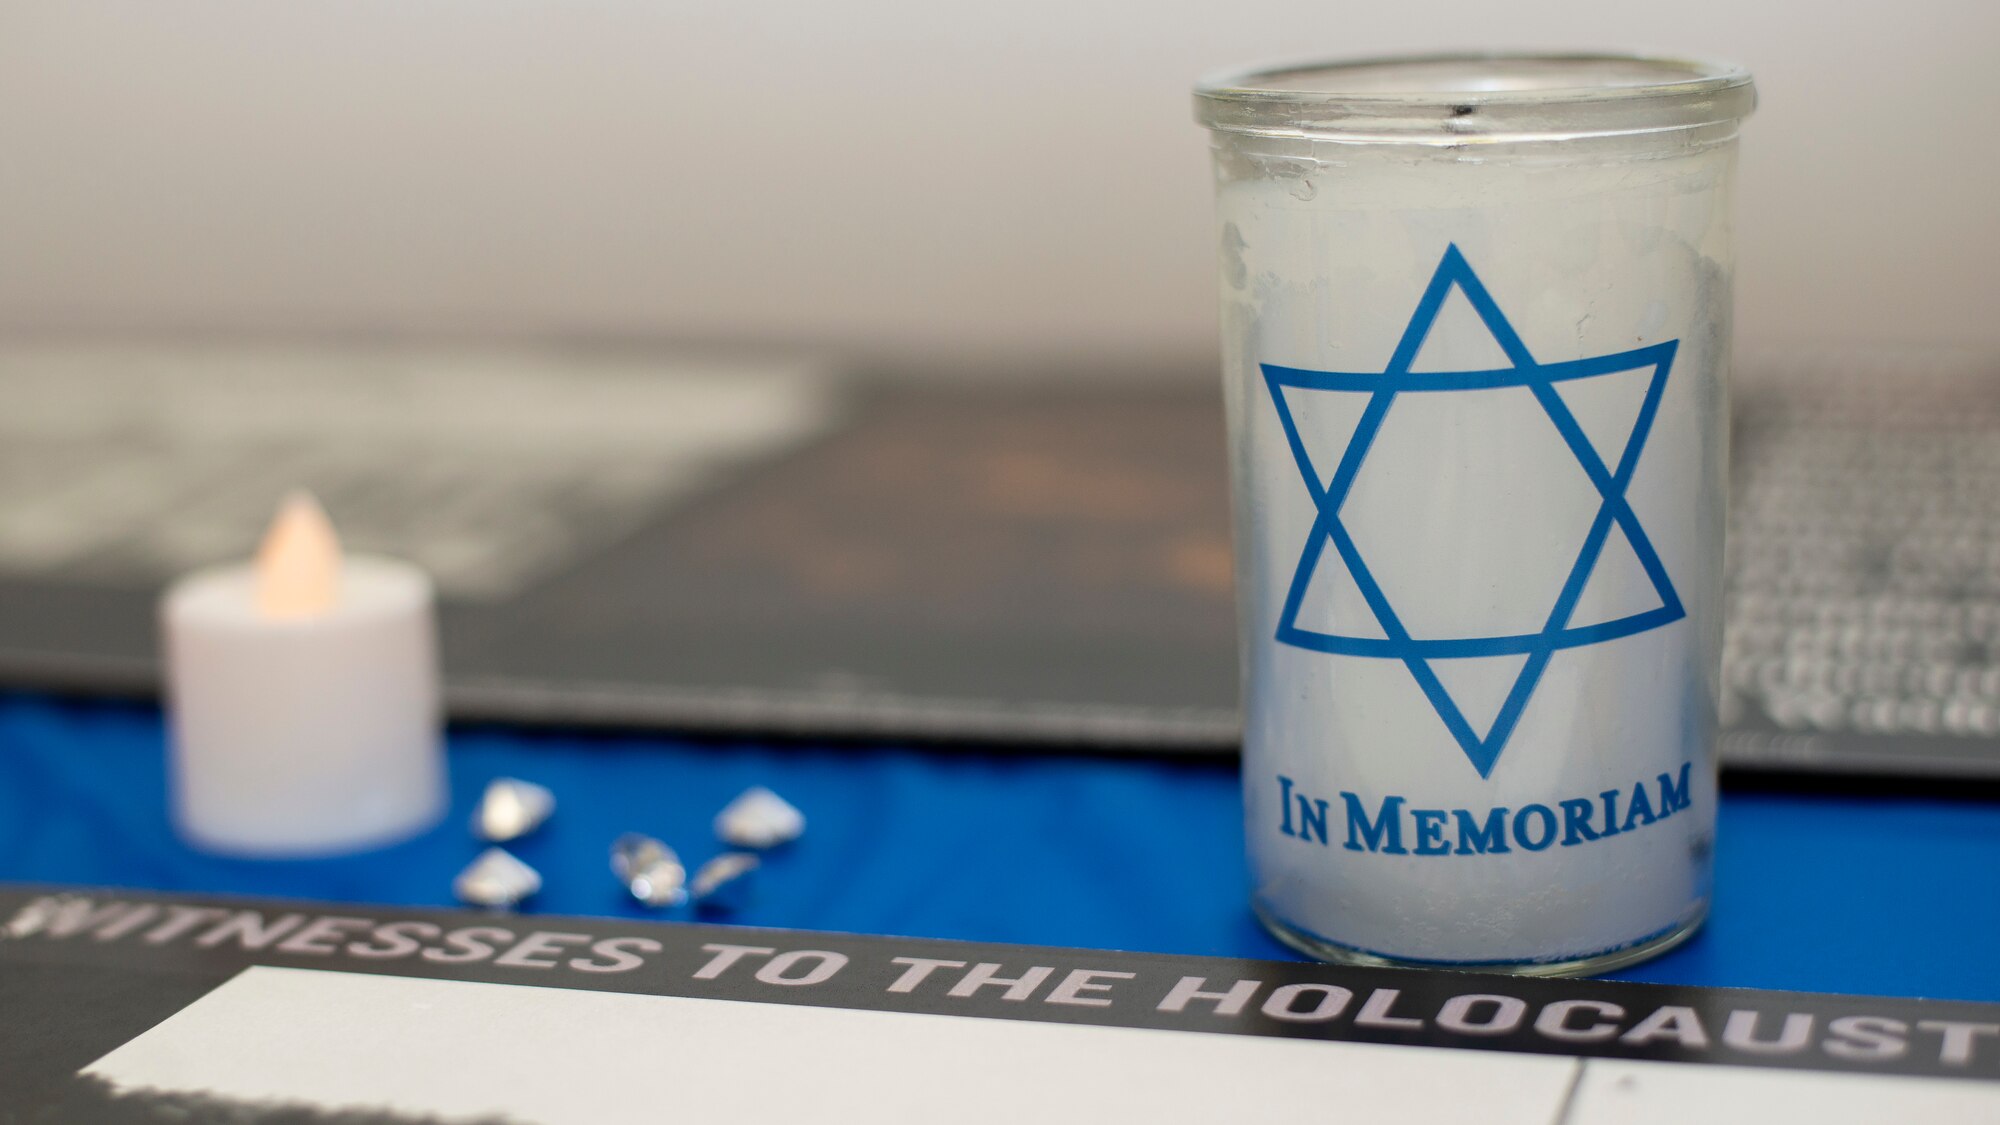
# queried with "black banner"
point(82, 972)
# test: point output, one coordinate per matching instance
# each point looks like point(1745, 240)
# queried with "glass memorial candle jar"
point(1476, 323)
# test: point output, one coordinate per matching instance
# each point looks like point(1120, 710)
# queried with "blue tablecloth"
point(1891, 895)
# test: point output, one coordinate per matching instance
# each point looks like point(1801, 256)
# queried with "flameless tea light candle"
point(304, 696)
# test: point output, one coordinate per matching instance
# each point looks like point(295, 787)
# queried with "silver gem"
point(649, 869)
point(759, 819)
point(723, 882)
point(496, 880)
point(511, 808)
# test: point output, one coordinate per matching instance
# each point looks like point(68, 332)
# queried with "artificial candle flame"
point(298, 567)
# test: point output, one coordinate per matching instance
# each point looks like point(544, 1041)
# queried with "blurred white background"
point(880, 176)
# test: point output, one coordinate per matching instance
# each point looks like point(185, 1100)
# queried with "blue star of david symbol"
point(1330, 492)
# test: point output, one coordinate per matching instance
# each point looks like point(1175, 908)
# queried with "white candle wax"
point(304, 698)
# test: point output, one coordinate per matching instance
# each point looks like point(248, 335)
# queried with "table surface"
point(1878, 894)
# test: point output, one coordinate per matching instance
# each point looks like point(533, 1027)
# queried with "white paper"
point(559, 1056)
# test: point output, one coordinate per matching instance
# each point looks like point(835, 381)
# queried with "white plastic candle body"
point(303, 736)
point(1475, 343)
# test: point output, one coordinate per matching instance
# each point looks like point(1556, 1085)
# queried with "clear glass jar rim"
point(1457, 97)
